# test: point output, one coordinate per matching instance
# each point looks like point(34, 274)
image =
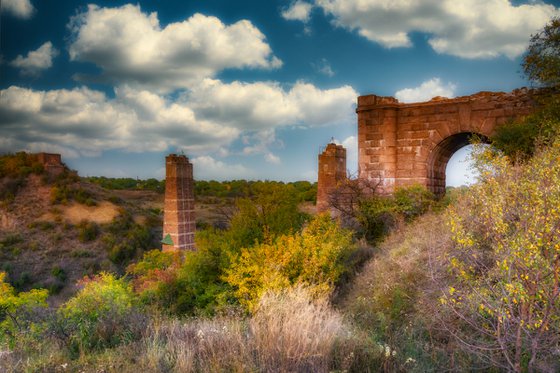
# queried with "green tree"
point(541, 62)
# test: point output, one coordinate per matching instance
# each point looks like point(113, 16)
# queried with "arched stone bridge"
point(403, 144)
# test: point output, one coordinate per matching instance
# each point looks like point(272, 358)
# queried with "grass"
point(288, 333)
point(395, 297)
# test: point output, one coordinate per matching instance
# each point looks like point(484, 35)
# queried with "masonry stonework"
point(332, 172)
point(178, 217)
point(51, 162)
point(404, 144)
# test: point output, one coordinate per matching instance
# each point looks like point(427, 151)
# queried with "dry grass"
point(395, 297)
point(291, 333)
point(288, 333)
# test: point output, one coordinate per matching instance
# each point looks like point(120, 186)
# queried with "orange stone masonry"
point(332, 172)
point(403, 144)
point(178, 217)
point(51, 162)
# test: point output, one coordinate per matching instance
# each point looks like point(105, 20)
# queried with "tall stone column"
point(178, 217)
point(332, 172)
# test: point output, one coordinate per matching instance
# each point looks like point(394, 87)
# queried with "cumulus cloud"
point(264, 105)
point(18, 8)
point(468, 28)
point(426, 91)
point(208, 168)
point(297, 11)
point(206, 120)
point(37, 60)
point(132, 47)
point(86, 122)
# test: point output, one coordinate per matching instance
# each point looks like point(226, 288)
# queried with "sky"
point(247, 89)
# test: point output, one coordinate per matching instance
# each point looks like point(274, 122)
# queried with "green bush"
point(15, 309)
point(124, 239)
point(520, 139)
point(87, 231)
point(102, 314)
point(505, 263)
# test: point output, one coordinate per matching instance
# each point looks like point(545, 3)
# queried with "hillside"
point(54, 232)
point(56, 229)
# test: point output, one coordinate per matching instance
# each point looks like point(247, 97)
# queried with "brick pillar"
point(178, 217)
point(332, 171)
point(377, 140)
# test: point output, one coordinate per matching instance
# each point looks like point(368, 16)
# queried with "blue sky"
point(247, 89)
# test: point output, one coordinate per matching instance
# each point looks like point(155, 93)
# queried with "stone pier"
point(332, 172)
point(178, 218)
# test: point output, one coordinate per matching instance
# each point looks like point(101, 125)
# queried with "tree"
point(541, 63)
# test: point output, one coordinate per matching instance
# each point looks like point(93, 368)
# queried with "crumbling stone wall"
point(332, 172)
point(178, 216)
point(51, 162)
point(403, 144)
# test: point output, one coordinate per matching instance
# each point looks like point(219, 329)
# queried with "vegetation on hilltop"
point(306, 191)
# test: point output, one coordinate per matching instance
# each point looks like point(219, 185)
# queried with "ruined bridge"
point(403, 144)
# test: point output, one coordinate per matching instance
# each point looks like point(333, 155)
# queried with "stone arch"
point(440, 155)
point(410, 143)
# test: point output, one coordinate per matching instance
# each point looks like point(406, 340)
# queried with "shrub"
point(102, 314)
point(59, 273)
point(505, 263)
point(520, 139)
point(316, 257)
point(15, 310)
point(87, 231)
point(125, 239)
point(413, 201)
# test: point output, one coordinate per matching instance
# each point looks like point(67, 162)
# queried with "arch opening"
point(440, 156)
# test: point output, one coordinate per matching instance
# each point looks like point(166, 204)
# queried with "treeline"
point(305, 190)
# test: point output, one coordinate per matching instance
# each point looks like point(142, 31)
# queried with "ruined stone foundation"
point(332, 172)
point(178, 217)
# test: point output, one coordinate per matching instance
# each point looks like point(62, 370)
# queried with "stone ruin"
point(332, 172)
point(398, 145)
point(52, 163)
point(403, 144)
point(178, 217)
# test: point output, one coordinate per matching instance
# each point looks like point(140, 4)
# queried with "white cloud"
point(132, 47)
point(351, 145)
point(86, 122)
point(207, 168)
point(426, 91)
point(271, 158)
point(467, 28)
point(37, 60)
point(18, 8)
point(264, 105)
point(207, 120)
point(323, 67)
point(297, 11)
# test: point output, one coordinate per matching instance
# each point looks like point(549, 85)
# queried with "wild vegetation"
point(469, 283)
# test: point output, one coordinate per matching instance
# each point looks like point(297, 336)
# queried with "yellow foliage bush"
point(315, 257)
